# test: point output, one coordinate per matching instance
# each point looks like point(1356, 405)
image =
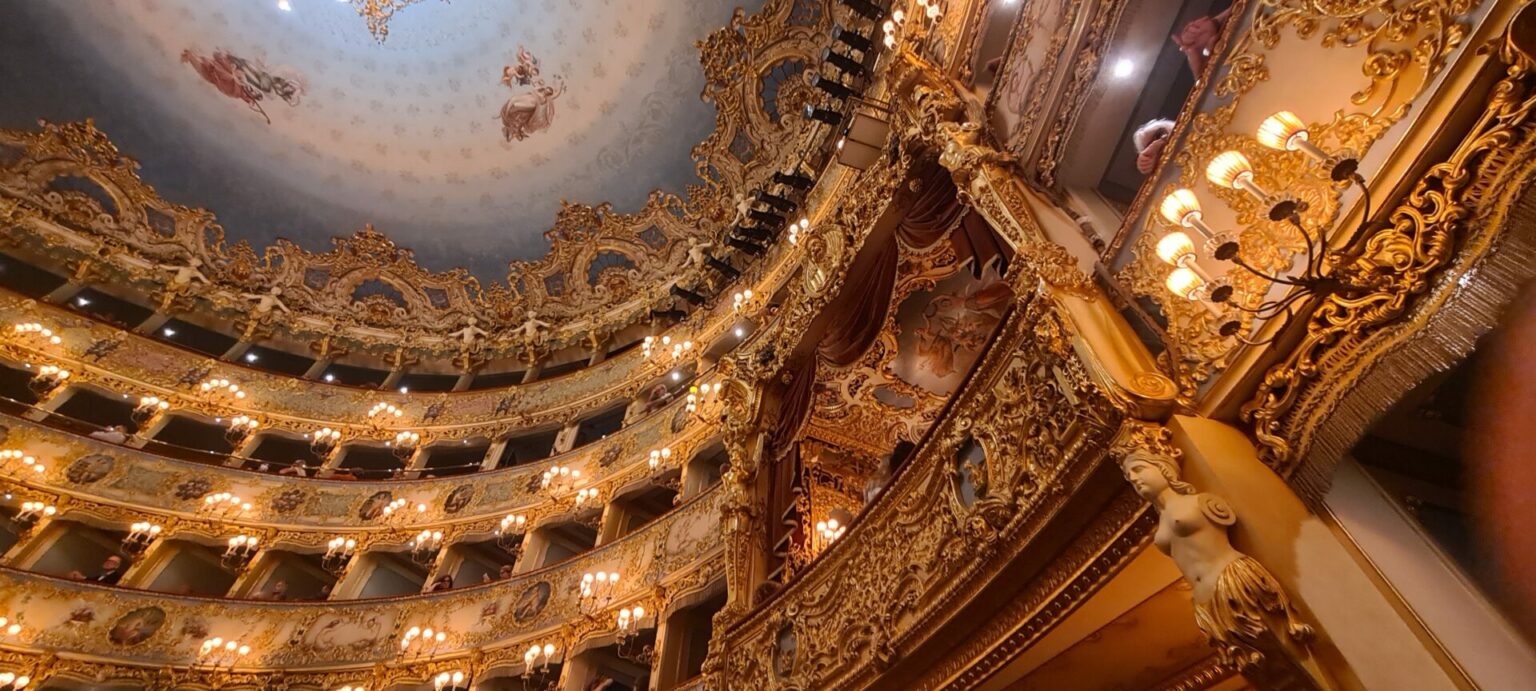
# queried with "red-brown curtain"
point(938, 211)
point(860, 309)
point(794, 406)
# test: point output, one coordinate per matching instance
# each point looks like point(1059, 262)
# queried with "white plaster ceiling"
point(403, 134)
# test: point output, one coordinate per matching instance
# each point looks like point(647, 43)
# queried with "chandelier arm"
point(1238, 260)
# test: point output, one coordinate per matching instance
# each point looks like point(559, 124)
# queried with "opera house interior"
point(802, 345)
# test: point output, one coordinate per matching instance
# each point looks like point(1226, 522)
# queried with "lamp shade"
point(1185, 283)
point(1180, 207)
point(1175, 248)
point(1282, 131)
point(1228, 168)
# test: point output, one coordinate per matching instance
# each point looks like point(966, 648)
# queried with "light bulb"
point(1229, 169)
point(1181, 207)
point(1175, 248)
point(1283, 131)
point(1185, 283)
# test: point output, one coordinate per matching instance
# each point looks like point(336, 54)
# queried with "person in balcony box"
point(1198, 38)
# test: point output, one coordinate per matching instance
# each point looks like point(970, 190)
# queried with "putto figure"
point(244, 80)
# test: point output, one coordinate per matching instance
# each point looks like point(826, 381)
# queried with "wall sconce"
point(585, 497)
point(829, 531)
point(140, 536)
point(536, 664)
point(797, 229)
point(148, 408)
point(240, 427)
point(628, 636)
point(595, 591)
point(559, 479)
point(225, 505)
point(221, 387)
point(242, 548)
point(451, 681)
point(398, 508)
point(426, 546)
point(10, 681)
point(509, 536)
point(404, 444)
point(384, 411)
point(27, 464)
point(1283, 131)
point(338, 554)
point(37, 332)
point(9, 628)
point(420, 641)
point(32, 512)
point(658, 456)
point(741, 299)
point(323, 442)
point(48, 378)
point(217, 652)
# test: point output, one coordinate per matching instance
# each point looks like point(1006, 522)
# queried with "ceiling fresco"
point(458, 136)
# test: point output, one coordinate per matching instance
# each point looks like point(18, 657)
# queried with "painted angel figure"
point(265, 302)
point(523, 72)
point(468, 335)
point(531, 111)
point(244, 80)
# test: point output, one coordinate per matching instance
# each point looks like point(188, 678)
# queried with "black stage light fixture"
point(831, 117)
point(754, 233)
point(688, 295)
point(730, 272)
point(770, 220)
point(833, 88)
point(852, 39)
point(749, 248)
point(846, 64)
point(672, 314)
point(866, 9)
point(777, 202)
point(794, 181)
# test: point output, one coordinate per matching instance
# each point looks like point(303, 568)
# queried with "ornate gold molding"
point(1450, 218)
point(368, 292)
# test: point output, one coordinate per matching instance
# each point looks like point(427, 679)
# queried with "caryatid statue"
point(1236, 599)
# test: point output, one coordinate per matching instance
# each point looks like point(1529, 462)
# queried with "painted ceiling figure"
point(524, 71)
point(531, 111)
point(244, 80)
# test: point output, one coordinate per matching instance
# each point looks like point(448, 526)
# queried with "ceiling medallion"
point(379, 12)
